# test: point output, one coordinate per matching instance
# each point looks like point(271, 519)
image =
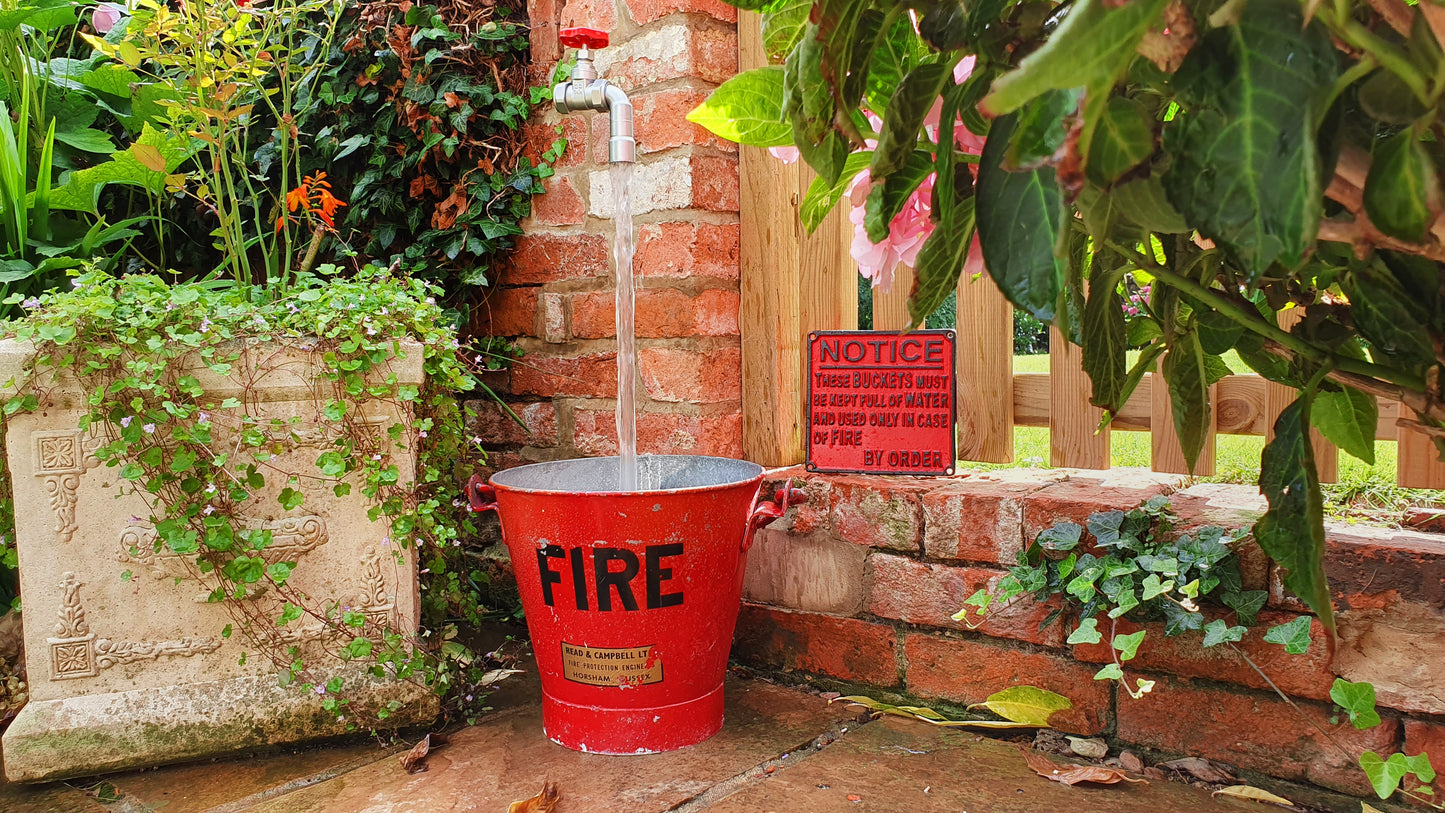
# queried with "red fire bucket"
point(631, 597)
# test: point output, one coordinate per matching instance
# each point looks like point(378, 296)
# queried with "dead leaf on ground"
point(1088, 747)
point(1074, 774)
point(1201, 769)
point(1257, 794)
point(544, 802)
point(414, 761)
point(1130, 761)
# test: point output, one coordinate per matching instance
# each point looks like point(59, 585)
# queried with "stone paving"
point(781, 750)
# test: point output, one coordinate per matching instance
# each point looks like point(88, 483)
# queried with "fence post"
point(984, 415)
point(791, 284)
point(1075, 439)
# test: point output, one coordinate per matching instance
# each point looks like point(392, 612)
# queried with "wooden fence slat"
point(890, 310)
point(1278, 396)
point(985, 409)
point(1166, 453)
point(1419, 463)
point(791, 283)
point(1073, 441)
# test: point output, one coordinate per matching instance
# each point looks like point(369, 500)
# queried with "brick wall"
point(859, 585)
point(555, 294)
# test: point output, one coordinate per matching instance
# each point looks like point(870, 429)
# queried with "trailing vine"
point(157, 363)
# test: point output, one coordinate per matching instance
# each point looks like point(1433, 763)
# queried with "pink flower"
point(787, 155)
point(907, 233)
point(105, 16)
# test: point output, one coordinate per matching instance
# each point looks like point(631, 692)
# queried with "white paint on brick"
point(669, 45)
point(554, 319)
point(664, 184)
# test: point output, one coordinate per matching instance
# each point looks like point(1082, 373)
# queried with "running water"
point(622, 249)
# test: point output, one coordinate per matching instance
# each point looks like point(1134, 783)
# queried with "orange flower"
point(296, 199)
point(314, 196)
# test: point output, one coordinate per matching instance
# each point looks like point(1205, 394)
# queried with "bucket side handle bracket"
point(480, 496)
point(768, 510)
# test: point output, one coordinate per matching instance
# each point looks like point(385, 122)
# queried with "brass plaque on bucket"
point(597, 666)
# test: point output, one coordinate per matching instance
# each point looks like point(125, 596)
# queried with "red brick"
point(645, 11)
point(698, 377)
point(1371, 568)
point(1428, 738)
point(662, 433)
point(1253, 731)
point(806, 517)
point(968, 671)
point(915, 592)
point(844, 648)
point(538, 137)
point(542, 257)
point(542, 16)
point(560, 205)
point(494, 426)
point(681, 249)
point(811, 574)
point(593, 375)
point(715, 186)
point(661, 313)
point(1308, 675)
point(598, 14)
point(660, 121)
point(710, 54)
point(506, 312)
point(1079, 496)
point(978, 518)
point(878, 512)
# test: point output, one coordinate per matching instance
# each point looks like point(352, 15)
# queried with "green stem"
point(1250, 321)
point(1390, 58)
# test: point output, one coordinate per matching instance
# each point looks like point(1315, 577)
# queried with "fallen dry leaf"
point(1090, 748)
point(1257, 794)
point(544, 802)
point(414, 761)
point(1130, 761)
point(1201, 769)
point(1074, 774)
point(853, 797)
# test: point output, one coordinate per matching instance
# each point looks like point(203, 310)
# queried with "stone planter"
point(126, 659)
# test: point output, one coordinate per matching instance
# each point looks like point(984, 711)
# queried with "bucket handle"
point(768, 510)
point(480, 496)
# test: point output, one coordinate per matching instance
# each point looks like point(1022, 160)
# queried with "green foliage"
point(1137, 569)
point(133, 342)
point(1248, 157)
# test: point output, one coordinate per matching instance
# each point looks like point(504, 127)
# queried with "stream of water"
point(622, 249)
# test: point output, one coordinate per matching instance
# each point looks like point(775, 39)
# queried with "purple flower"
point(125, 422)
point(149, 429)
point(30, 304)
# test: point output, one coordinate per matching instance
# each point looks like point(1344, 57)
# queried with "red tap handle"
point(583, 38)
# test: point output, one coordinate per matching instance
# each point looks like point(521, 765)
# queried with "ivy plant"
point(1245, 157)
point(132, 344)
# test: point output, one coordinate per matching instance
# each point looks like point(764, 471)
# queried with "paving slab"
point(910, 767)
point(56, 797)
point(506, 758)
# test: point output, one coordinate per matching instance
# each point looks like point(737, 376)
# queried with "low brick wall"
point(859, 586)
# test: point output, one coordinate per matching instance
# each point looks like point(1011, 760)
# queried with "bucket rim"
point(754, 478)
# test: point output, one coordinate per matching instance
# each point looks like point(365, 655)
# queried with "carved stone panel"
point(60, 458)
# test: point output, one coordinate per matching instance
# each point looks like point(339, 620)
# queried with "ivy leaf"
point(1019, 216)
point(1402, 192)
point(1217, 632)
point(358, 648)
point(1086, 633)
point(747, 109)
point(1027, 705)
point(1245, 167)
point(279, 572)
point(1063, 536)
point(1091, 47)
point(1348, 419)
point(289, 612)
point(1358, 699)
point(1128, 645)
point(1246, 604)
point(1153, 588)
point(1292, 531)
point(1294, 635)
point(290, 498)
point(1111, 672)
point(1178, 620)
point(1384, 775)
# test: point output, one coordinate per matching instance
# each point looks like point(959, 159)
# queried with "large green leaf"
point(1402, 192)
point(904, 120)
point(1348, 419)
point(1042, 128)
point(1019, 216)
point(1091, 48)
point(886, 199)
point(1388, 317)
point(896, 55)
point(784, 27)
point(82, 190)
point(941, 259)
point(1104, 340)
point(747, 109)
point(1245, 168)
point(810, 108)
point(765, 6)
point(1187, 373)
point(1144, 202)
point(43, 15)
point(85, 139)
point(1292, 531)
point(110, 78)
point(1123, 140)
point(823, 196)
point(841, 34)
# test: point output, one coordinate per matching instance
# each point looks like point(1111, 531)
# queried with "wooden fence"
point(793, 283)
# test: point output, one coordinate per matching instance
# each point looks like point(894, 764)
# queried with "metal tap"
point(584, 91)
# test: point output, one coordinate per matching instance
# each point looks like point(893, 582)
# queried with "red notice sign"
point(881, 401)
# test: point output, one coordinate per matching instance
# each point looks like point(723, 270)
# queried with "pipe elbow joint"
point(622, 145)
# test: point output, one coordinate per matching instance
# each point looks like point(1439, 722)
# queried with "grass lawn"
point(1363, 491)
